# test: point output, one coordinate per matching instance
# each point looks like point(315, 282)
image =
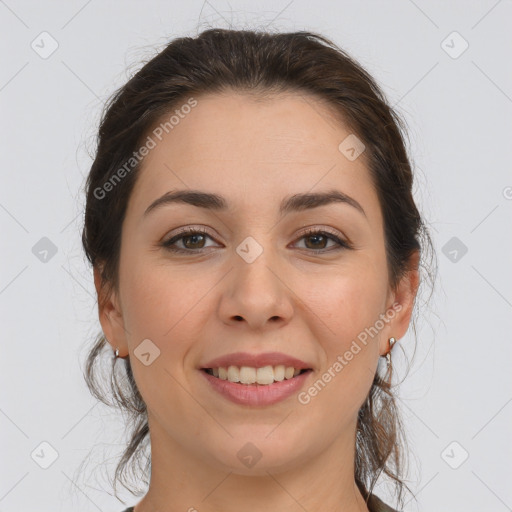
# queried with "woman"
point(256, 252)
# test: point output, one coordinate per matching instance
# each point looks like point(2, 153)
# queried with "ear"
point(403, 300)
point(110, 316)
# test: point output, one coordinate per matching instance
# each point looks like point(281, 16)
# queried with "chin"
point(259, 454)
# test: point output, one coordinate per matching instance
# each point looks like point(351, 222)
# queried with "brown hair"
point(258, 63)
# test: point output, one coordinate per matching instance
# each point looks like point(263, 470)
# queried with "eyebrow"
point(295, 202)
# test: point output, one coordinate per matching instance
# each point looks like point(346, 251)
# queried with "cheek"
point(349, 308)
point(159, 301)
point(350, 351)
point(347, 302)
point(165, 308)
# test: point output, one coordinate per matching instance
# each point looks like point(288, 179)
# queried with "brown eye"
point(195, 240)
point(192, 239)
point(316, 240)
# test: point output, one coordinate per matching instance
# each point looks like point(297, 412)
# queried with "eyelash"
point(201, 231)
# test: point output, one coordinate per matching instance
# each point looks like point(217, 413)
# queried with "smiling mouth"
point(263, 376)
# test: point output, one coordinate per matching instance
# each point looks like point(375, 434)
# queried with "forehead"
point(251, 150)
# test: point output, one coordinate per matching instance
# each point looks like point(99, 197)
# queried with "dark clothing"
point(375, 504)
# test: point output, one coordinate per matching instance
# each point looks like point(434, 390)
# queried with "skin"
point(195, 307)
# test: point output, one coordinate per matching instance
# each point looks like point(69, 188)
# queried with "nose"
point(256, 294)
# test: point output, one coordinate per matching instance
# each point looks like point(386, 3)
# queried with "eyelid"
point(326, 229)
point(185, 231)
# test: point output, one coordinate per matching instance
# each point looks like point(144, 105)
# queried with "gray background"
point(456, 400)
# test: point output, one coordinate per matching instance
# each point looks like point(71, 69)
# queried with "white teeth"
point(288, 374)
point(249, 375)
point(279, 372)
point(265, 375)
point(233, 374)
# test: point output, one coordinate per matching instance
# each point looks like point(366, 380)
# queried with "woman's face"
point(255, 283)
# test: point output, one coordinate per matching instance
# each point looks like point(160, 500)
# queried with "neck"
point(180, 481)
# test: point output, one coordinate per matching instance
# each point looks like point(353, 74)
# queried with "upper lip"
point(256, 360)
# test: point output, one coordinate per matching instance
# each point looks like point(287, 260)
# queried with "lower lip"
point(252, 394)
